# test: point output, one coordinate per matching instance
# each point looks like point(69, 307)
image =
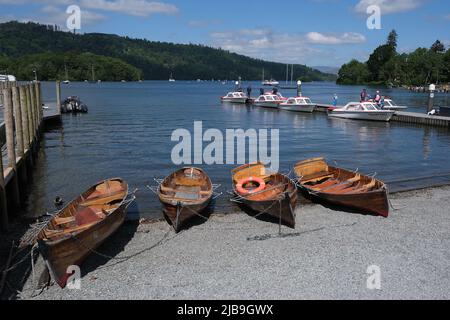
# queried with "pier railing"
point(21, 131)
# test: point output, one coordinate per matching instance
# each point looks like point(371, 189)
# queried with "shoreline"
point(234, 256)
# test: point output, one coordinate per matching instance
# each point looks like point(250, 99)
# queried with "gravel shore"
point(238, 257)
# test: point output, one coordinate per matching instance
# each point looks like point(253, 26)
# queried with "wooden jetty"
point(23, 123)
point(406, 117)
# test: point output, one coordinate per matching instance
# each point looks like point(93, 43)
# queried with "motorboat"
point(361, 111)
point(389, 104)
point(73, 105)
point(268, 101)
point(271, 83)
point(235, 97)
point(298, 104)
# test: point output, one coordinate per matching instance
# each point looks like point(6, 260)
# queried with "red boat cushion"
point(86, 216)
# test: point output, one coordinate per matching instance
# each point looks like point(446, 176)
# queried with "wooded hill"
point(28, 46)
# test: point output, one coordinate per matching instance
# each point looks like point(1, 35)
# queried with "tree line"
point(388, 67)
point(21, 43)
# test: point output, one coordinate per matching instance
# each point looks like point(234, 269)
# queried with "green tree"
point(437, 47)
point(353, 72)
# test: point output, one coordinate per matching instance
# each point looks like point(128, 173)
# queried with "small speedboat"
point(271, 83)
point(265, 192)
point(82, 226)
point(184, 195)
point(235, 97)
point(361, 111)
point(268, 101)
point(342, 187)
point(298, 104)
point(73, 105)
point(389, 104)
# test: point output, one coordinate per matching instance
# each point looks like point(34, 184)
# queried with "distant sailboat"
point(290, 85)
point(67, 75)
point(92, 75)
point(171, 79)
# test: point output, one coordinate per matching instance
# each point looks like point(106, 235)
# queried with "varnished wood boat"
point(82, 226)
point(278, 199)
point(184, 195)
point(342, 187)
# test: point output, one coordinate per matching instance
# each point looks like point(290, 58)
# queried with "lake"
point(127, 133)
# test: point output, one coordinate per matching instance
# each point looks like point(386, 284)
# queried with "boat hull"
point(270, 105)
point(181, 205)
point(370, 203)
point(281, 207)
point(307, 108)
point(72, 251)
point(355, 115)
point(184, 212)
point(235, 100)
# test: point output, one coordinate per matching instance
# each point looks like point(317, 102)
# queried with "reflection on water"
point(127, 133)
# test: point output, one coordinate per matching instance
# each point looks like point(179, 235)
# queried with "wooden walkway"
point(20, 132)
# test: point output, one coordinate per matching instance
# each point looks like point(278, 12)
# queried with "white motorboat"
point(271, 83)
point(361, 111)
point(235, 97)
point(389, 104)
point(268, 101)
point(298, 104)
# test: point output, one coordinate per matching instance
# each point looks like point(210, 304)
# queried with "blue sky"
point(311, 32)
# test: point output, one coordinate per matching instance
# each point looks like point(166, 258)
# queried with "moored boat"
point(235, 97)
point(342, 187)
point(298, 104)
point(82, 226)
point(73, 105)
point(271, 83)
point(267, 193)
point(389, 104)
point(268, 101)
point(184, 195)
point(361, 111)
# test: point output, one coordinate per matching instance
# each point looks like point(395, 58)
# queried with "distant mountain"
point(28, 46)
point(329, 70)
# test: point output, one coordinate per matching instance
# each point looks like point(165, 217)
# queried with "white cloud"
point(388, 6)
point(142, 8)
point(344, 38)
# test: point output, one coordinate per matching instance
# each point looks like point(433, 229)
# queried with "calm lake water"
point(127, 133)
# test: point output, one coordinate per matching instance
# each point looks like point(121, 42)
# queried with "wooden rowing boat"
point(278, 199)
point(184, 195)
point(82, 226)
point(342, 187)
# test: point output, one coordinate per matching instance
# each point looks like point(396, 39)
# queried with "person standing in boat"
point(364, 95)
point(335, 100)
point(261, 91)
point(249, 91)
point(377, 98)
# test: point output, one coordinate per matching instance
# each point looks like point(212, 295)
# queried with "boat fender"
point(240, 185)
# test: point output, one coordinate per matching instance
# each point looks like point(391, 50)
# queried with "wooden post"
point(18, 121)
point(10, 146)
point(30, 119)
point(37, 92)
point(3, 207)
point(33, 111)
point(24, 114)
point(58, 97)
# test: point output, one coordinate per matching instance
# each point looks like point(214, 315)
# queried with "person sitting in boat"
point(275, 91)
point(363, 95)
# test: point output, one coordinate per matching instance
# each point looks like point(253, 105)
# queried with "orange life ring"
point(240, 186)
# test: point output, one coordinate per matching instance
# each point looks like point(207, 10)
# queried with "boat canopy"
point(357, 106)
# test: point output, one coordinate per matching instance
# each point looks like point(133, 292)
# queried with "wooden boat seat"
point(104, 199)
point(318, 176)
